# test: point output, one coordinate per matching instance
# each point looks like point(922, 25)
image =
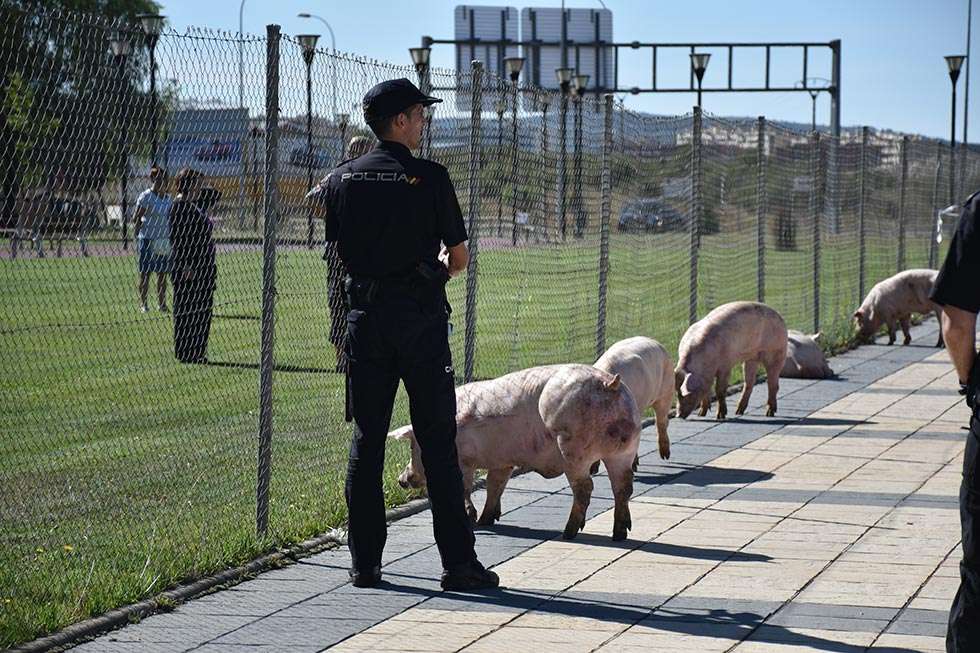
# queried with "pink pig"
point(747, 332)
point(554, 419)
point(893, 301)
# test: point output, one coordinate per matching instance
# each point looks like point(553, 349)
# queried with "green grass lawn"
point(122, 472)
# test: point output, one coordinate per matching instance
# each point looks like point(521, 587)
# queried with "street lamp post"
point(420, 57)
point(501, 107)
point(564, 76)
point(120, 52)
point(152, 26)
point(542, 106)
point(333, 59)
point(699, 62)
point(513, 65)
point(308, 43)
point(580, 83)
point(342, 120)
point(954, 62)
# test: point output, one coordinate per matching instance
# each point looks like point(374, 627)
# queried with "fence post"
point(903, 185)
point(862, 228)
point(696, 210)
point(761, 210)
point(473, 219)
point(936, 208)
point(605, 208)
point(815, 213)
point(266, 358)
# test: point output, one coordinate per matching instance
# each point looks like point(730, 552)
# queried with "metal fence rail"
point(123, 470)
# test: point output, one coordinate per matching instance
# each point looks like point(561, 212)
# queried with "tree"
point(61, 96)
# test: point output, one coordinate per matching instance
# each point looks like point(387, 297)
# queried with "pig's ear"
point(678, 379)
point(859, 314)
point(404, 433)
point(690, 385)
point(614, 384)
point(817, 337)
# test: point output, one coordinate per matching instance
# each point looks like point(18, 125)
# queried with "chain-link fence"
point(148, 431)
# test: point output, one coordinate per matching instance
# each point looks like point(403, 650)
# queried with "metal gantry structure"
point(572, 58)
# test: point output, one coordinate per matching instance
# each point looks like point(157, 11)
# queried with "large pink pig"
point(893, 301)
point(737, 332)
point(555, 419)
point(646, 369)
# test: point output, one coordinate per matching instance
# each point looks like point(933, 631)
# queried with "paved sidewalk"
point(831, 527)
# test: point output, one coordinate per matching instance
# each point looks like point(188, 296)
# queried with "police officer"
point(388, 213)
point(957, 290)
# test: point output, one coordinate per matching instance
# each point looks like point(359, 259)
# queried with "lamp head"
point(699, 61)
point(514, 65)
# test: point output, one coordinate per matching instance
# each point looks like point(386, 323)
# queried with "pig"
point(747, 332)
point(554, 419)
point(894, 300)
point(646, 369)
point(804, 358)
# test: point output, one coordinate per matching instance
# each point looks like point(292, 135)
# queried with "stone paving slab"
point(831, 527)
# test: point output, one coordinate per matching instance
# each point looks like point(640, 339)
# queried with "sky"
point(892, 68)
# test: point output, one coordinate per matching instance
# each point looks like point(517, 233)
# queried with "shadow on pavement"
point(726, 624)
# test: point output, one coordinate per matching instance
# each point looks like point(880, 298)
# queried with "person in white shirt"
point(151, 223)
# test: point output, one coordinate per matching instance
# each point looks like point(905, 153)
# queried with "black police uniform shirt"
point(388, 211)
point(958, 282)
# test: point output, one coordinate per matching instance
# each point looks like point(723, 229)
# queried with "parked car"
point(650, 214)
point(302, 157)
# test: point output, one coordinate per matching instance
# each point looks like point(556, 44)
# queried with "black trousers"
point(398, 337)
point(963, 635)
point(193, 306)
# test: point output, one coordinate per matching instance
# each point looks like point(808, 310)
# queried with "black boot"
point(469, 576)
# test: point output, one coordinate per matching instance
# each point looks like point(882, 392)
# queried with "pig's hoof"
point(471, 513)
point(664, 453)
point(702, 412)
point(907, 341)
point(619, 534)
point(572, 528)
point(594, 469)
point(770, 412)
point(722, 414)
point(486, 519)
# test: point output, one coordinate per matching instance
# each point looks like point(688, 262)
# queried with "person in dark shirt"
point(400, 235)
point(194, 270)
point(957, 290)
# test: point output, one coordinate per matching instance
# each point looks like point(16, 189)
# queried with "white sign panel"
point(581, 26)
point(488, 24)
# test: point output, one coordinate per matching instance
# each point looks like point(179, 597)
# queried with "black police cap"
point(392, 97)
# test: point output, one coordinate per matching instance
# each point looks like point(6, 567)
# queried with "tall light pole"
point(699, 63)
point(333, 59)
point(421, 57)
point(120, 52)
point(580, 83)
point(954, 62)
point(513, 65)
point(308, 43)
point(501, 107)
point(541, 105)
point(152, 26)
point(342, 120)
point(241, 55)
point(564, 76)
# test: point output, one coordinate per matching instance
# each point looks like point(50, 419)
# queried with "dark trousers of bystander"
point(398, 337)
point(193, 307)
point(963, 635)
